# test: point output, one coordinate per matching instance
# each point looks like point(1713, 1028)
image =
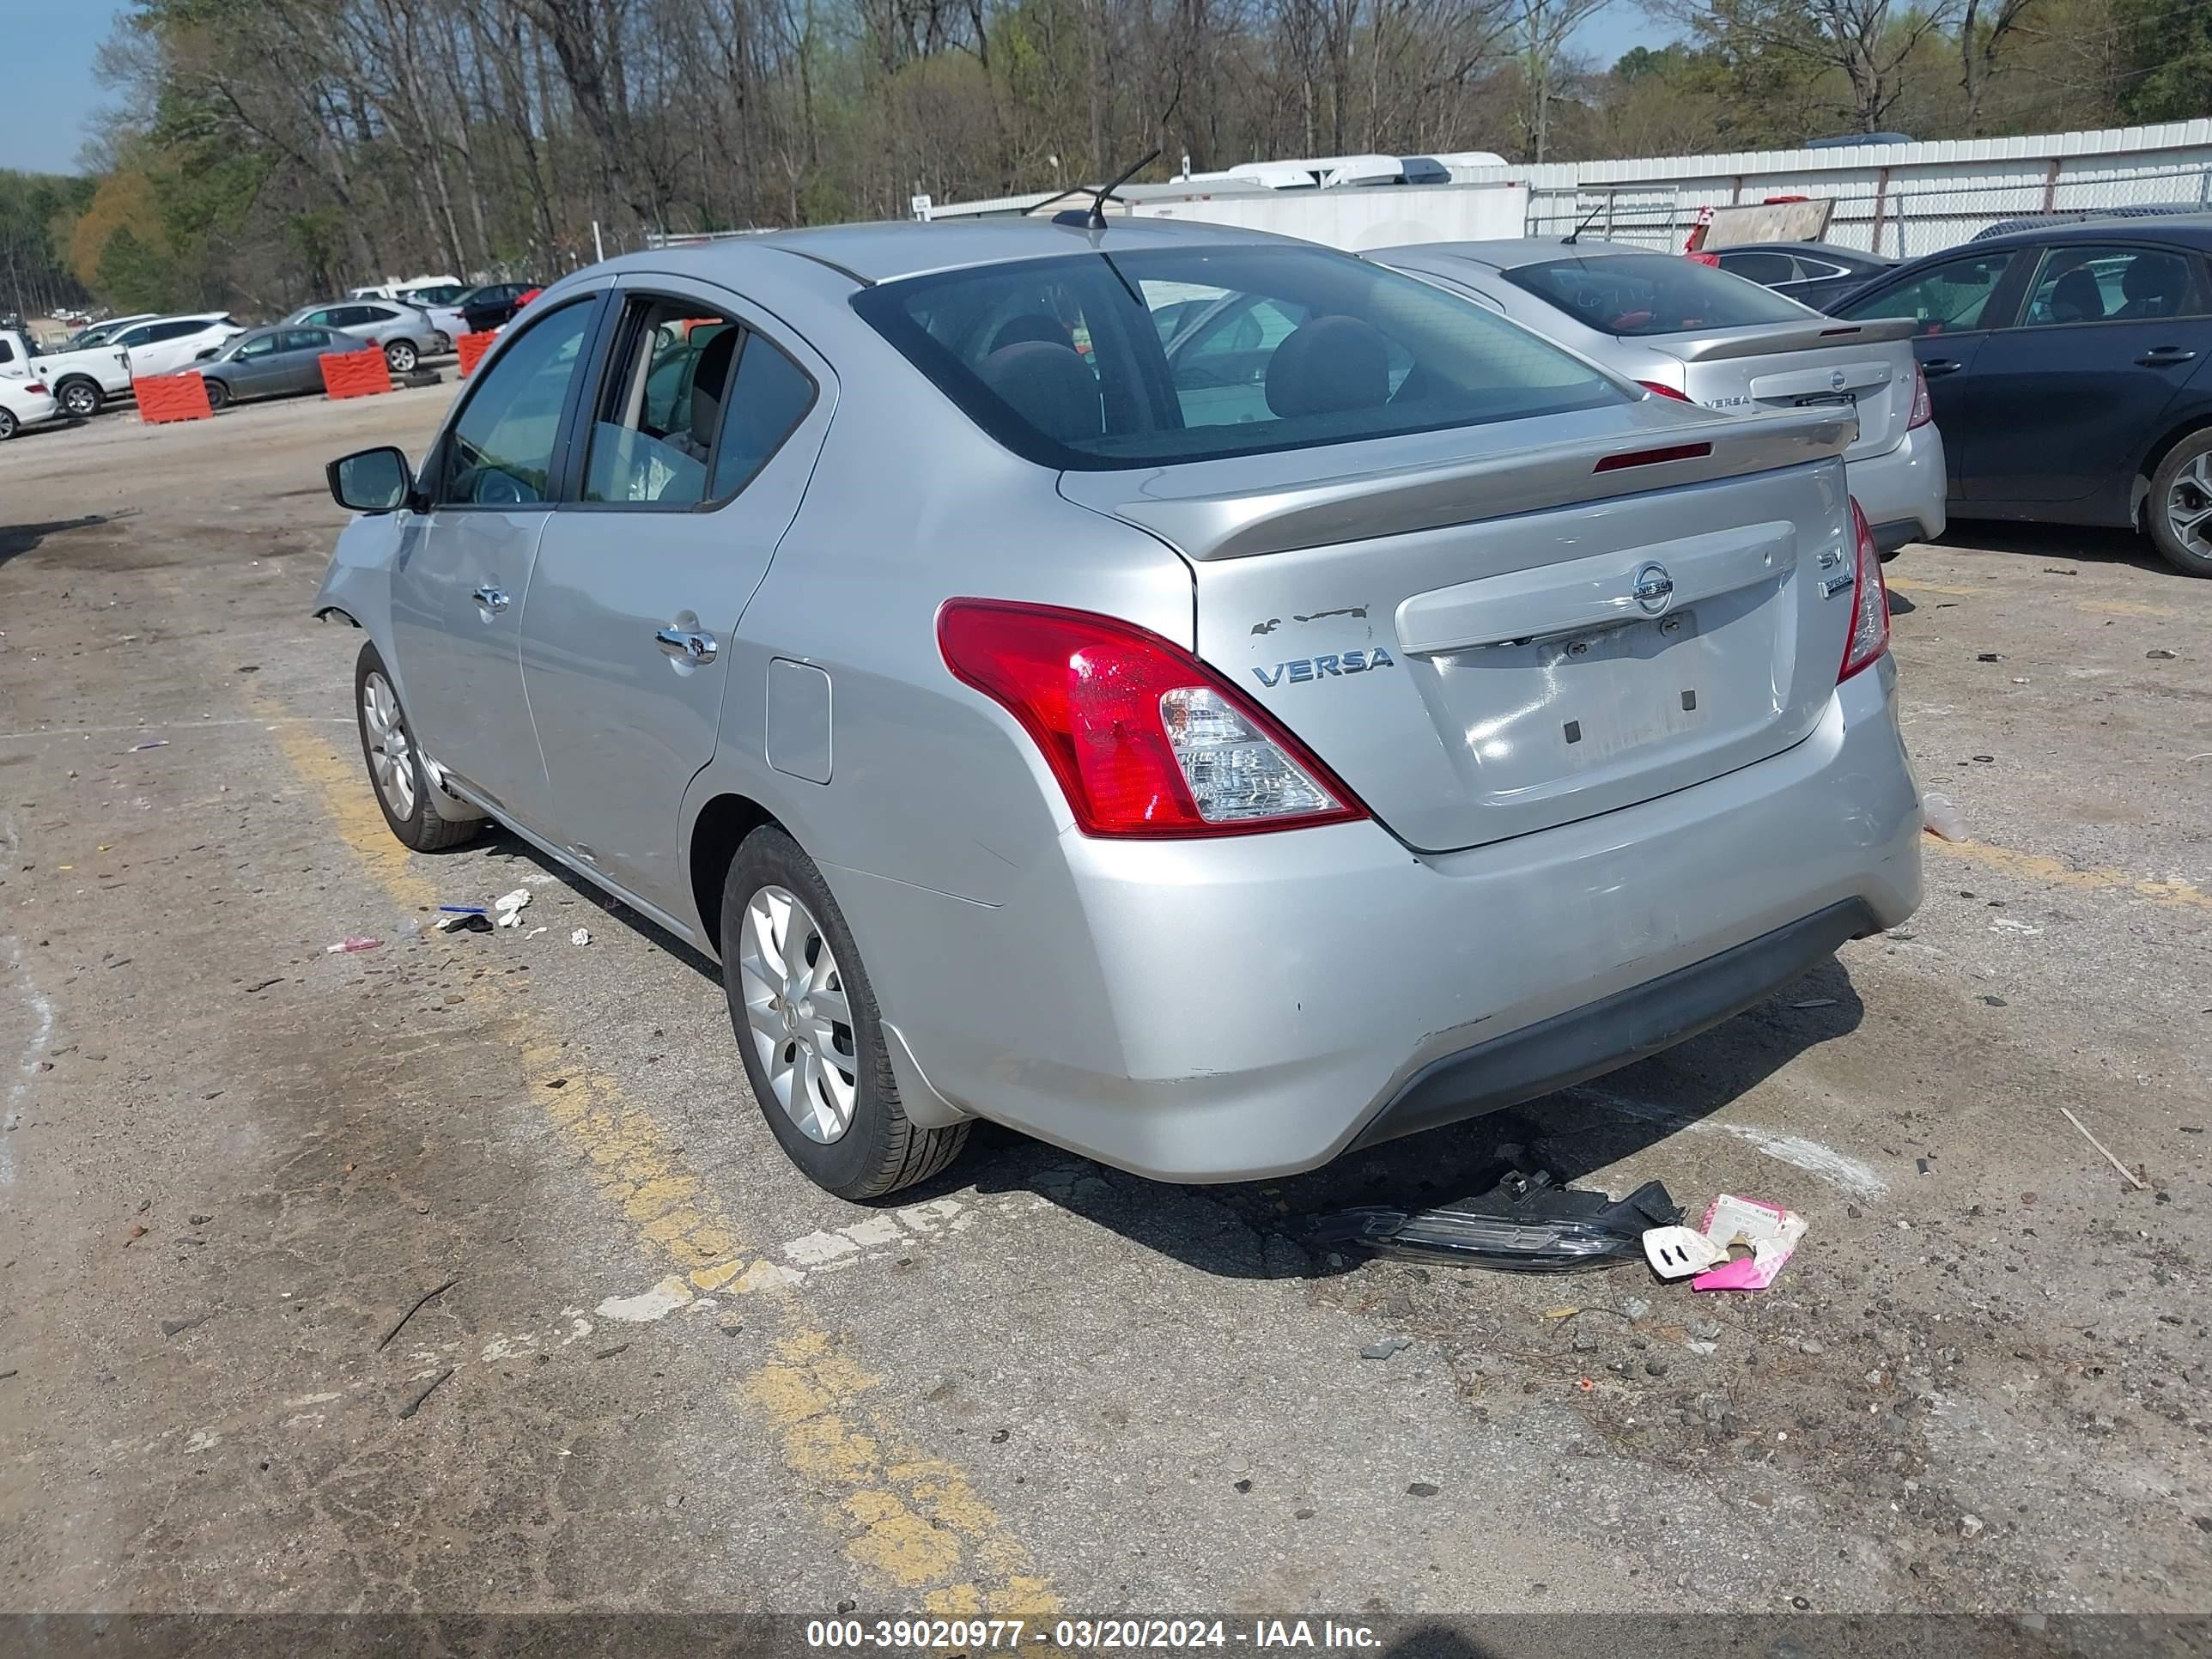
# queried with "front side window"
point(2081, 284)
point(1950, 299)
point(1632, 295)
point(260, 346)
point(1063, 360)
point(499, 452)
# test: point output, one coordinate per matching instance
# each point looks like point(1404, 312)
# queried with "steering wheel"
point(496, 488)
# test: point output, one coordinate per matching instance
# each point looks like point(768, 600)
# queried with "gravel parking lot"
point(663, 1372)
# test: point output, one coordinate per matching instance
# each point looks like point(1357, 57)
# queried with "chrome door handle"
point(2159, 357)
point(690, 644)
point(490, 598)
point(1935, 366)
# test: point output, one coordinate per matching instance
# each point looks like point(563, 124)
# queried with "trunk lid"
point(1485, 644)
point(1863, 367)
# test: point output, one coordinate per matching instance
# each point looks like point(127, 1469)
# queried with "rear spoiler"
point(1175, 504)
point(1811, 335)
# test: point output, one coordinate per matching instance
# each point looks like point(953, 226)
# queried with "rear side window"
point(1761, 267)
point(1097, 361)
point(2083, 283)
point(1631, 295)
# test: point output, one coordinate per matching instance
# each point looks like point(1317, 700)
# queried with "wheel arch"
point(724, 821)
point(2198, 419)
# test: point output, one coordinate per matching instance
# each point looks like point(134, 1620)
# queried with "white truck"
point(80, 381)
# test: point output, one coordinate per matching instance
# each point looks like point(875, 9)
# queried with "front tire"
point(809, 1031)
point(218, 393)
point(399, 355)
point(80, 399)
point(395, 771)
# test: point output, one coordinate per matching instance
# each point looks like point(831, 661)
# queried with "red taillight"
point(1657, 390)
point(1870, 635)
point(35, 386)
point(1143, 739)
point(1924, 408)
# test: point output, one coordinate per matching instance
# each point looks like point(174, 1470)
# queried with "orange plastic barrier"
point(354, 374)
point(171, 397)
point(472, 348)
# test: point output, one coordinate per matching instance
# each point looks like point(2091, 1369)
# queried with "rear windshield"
point(1629, 294)
point(1090, 361)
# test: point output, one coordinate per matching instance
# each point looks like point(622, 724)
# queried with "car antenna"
point(1096, 218)
point(1569, 240)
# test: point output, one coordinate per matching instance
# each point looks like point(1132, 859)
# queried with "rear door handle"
point(2159, 357)
point(1935, 366)
point(490, 598)
point(690, 645)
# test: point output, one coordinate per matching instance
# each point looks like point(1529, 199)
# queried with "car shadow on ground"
point(1258, 1229)
point(2054, 543)
point(16, 539)
point(508, 848)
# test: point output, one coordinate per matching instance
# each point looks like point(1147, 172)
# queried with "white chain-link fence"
point(1900, 218)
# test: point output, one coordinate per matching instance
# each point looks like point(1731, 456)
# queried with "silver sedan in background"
point(406, 332)
point(1682, 330)
point(1364, 716)
point(269, 362)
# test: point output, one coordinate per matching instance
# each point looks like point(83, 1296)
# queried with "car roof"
point(1512, 252)
point(2188, 229)
point(1822, 250)
point(885, 252)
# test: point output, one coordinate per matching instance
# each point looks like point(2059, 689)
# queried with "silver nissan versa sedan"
point(1206, 748)
point(1685, 331)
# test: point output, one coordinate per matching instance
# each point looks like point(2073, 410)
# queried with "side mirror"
point(371, 480)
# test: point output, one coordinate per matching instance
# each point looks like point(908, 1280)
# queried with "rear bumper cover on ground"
point(1230, 1010)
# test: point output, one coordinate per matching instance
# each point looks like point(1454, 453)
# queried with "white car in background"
point(442, 301)
point(166, 344)
point(24, 402)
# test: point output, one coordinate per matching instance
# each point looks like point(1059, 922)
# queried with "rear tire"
point(2177, 511)
point(7, 424)
point(809, 1031)
point(395, 771)
point(399, 355)
point(80, 399)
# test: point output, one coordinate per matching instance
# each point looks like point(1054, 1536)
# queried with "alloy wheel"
point(401, 356)
point(7, 424)
point(81, 401)
point(800, 1018)
point(391, 751)
point(2189, 506)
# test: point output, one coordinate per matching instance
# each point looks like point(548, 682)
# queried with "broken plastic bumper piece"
point(1523, 1224)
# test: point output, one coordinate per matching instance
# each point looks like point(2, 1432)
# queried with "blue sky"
point(51, 89)
point(50, 49)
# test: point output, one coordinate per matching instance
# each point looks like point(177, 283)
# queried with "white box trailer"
point(1367, 216)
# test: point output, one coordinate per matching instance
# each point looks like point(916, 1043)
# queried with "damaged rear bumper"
point(1613, 1032)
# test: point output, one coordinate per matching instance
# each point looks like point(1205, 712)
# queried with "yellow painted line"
point(2094, 607)
point(2034, 866)
point(2123, 608)
point(1907, 584)
point(913, 1521)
